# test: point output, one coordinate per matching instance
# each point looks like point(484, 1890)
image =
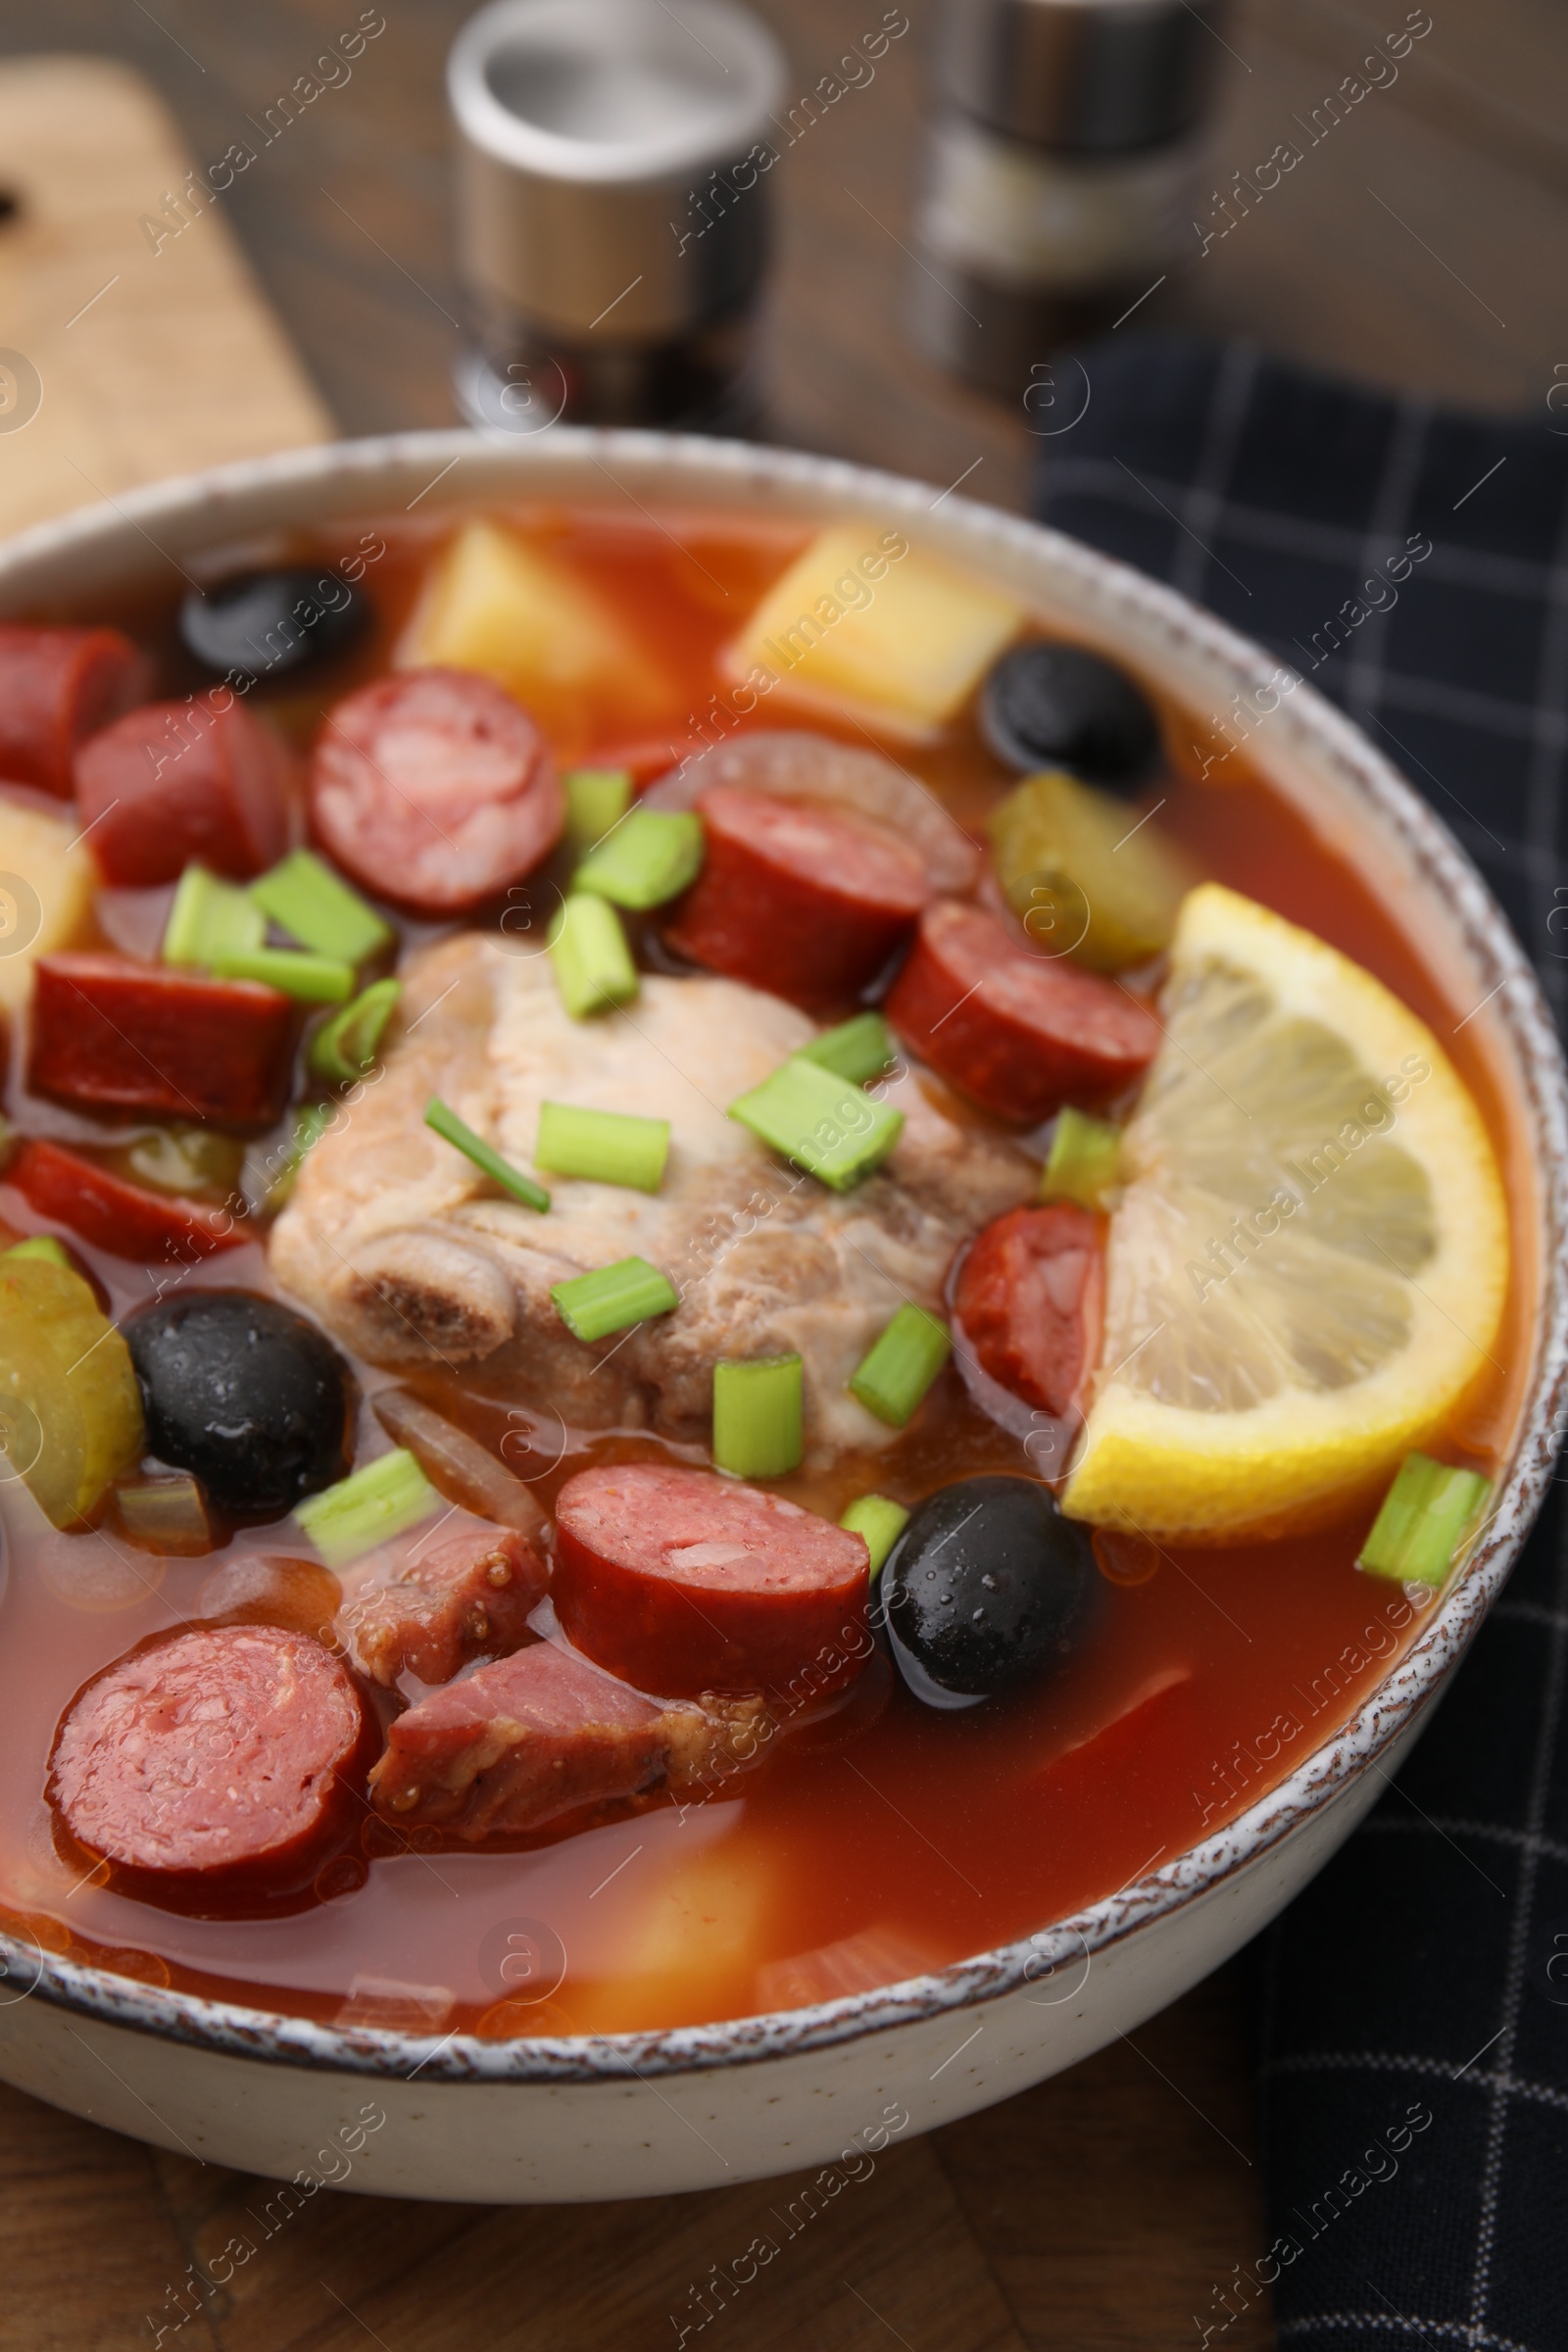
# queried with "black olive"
point(269, 624)
point(1046, 705)
point(245, 1395)
point(985, 1586)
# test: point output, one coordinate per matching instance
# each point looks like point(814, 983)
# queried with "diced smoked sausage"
point(126, 1219)
point(179, 782)
point(228, 1753)
point(468, 1598)
point(116, 1035)
point(684, 1582)
point(1017, 1033)
point(1030, 1298)
point(542, 1733)
point(434, 788)
point(58, 686)
point(794, 898)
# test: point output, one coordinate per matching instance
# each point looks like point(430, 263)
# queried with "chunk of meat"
point(543, 1732)
point(690, 1582)
point(172, 782)
point(230, 1751)
point(58, 686)
point(126, 1219)
point(795, 898)
point(1015, 1032)
point(116, 1035)
point(1030, 1298)
point(434, 788)
point(467, 1598)
point(792, 765)
point(409, 1256)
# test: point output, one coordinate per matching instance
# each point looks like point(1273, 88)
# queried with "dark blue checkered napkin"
point(1413, 2014)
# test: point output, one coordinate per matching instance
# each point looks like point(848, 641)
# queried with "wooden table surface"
point(1099, 2211)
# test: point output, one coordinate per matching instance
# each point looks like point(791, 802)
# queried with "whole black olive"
point(985, 1587)
point(1046, 705)
point(269, 624)
point(245, 1395)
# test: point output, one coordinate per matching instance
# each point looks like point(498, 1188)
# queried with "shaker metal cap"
point(1082, 76)
point(585, 129)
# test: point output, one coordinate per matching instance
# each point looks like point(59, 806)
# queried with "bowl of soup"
point(781, 1271)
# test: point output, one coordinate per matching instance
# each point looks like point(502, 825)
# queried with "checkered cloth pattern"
point(1413, 2002)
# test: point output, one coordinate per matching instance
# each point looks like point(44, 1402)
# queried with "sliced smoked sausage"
point(225, 1753)
point(58, 686)
point(175, 782)
point(1019, 1033)
point(795, 898)
point(682, 1582)
point(111, 1034)
point(1030, 1298)
point(434, 788)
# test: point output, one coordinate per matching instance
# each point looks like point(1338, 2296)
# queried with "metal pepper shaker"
point(1064, 154)
point(613, 209)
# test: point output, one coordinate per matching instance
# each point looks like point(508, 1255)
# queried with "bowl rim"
point(702, 469)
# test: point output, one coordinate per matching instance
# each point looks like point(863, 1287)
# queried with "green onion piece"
point(1427, 1514)
point(594, 969)
point(613, 1297)
point(821, 1122)
point(311, 1122)
point(483, 1155)
point(757, 1416)
point(368, 1508)
point(597, 798)
point(314, 979)
point(609, 1147)
point(859, 1050)
point(881, 1521)
point(650, 856)
point(307, 900)
point(44, 1246)
point(902, 1365)
point(344, 1047)
point(1085, 1161)
point(209, 918)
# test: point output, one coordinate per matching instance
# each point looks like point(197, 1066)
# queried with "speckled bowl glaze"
point(626, 2115)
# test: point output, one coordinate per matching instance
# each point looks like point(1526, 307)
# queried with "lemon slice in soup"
point(1307, 1267)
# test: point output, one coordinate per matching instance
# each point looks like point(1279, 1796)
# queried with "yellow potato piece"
point(867, 628)
point(496, 606)
point(71, 1415)
point(48, 878)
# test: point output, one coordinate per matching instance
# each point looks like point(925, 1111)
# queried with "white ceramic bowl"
point(626, 2115)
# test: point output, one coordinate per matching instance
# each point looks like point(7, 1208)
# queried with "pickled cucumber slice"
point(1085, 877)
point(71, 1415)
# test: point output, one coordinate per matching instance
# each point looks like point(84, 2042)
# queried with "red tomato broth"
point(921, 1837)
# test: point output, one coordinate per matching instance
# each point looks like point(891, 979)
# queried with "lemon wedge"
point(1307, 1265)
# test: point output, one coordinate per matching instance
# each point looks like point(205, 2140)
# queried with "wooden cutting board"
point(1096, 2214)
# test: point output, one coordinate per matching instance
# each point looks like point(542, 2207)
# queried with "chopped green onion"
point(597, 798)
point(902, 1365)
point(1427, 1515)
point(881, 1521)
point(209, 918)
point(314, 979)
point(613, 1297)
point(757, 1416)
point(1085, 1160)
point(650, 856)
point(368, 1508)
point(484, 1156)
point(594, 969)
point(44, 1246)
point(308, 901)
point(826, 1126)
point(607, 1147)
point(859, 1050)
point(344, 1048)
point(311, 1122)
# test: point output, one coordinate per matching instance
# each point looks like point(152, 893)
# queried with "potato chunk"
point(48, 878)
